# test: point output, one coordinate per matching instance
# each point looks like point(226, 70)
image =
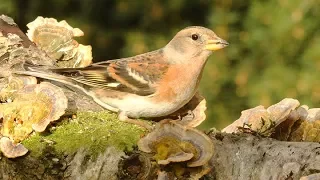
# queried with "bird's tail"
point(64, 76)
point(45, 72)
point(41, 72)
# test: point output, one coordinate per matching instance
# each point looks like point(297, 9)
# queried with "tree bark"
point(245, 156)
point(239, 156)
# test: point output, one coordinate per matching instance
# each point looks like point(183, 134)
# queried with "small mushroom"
point(10, 149)
point(172, 142)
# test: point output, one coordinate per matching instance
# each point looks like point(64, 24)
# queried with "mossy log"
point(236, 157)
point(95, 145)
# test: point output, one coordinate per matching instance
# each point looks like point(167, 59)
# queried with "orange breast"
point(178, 83)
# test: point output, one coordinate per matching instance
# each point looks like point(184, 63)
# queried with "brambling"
point(154, 84)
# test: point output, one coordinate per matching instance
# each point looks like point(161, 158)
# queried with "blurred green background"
point(274, 47)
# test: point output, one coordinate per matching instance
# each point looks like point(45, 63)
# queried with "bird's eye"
point(194, 37)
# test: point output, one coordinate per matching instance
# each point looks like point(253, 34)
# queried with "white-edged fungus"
point(172, 142)
point(264, 121)
point(33, 108)
point(10, 149)
point(56, 39)
point(54, 104)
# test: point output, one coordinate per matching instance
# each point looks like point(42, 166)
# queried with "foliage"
point(273, 50)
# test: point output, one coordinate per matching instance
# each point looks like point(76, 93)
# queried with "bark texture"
point(240, 157)
point(248, 157)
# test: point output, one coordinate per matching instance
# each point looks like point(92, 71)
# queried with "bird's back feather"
point(137, 74)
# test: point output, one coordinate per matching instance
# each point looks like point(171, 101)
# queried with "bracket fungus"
point(18, 82)
point(49, 97)
point(56, 39)
point(33, 107)
point(11, 149)
point(172, 142)
point(261, 120)
point(14, 84)
point(285, 120)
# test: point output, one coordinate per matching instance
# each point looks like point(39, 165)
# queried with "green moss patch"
point(90, 130)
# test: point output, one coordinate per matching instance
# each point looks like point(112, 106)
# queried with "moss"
point(91, 130)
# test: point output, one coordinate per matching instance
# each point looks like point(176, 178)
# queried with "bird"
point(150, 85)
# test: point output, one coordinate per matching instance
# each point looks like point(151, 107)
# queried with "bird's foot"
point(123, 117)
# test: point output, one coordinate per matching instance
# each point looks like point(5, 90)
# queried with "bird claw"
point(123, 117)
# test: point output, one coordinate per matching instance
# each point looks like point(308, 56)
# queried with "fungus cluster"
point(56, 39)
point(27, 107)
point(184, 148)
point(286, 120)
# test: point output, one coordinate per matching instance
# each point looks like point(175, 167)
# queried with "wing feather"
point(138, 74)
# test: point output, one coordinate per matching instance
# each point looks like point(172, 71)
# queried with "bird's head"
point(194, 41)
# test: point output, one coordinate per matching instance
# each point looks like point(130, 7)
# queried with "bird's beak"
point(216, 44)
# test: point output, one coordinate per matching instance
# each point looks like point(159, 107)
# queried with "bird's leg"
point(123, 117)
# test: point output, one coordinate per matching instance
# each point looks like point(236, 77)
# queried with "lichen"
point(90, 130)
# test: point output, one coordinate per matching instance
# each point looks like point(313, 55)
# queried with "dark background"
point(274, 47)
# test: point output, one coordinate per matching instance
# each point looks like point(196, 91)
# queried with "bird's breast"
point(178, 85)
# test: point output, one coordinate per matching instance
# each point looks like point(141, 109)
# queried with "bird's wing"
point(138, 74)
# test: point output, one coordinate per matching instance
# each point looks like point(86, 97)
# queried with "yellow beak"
point(216, 44)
